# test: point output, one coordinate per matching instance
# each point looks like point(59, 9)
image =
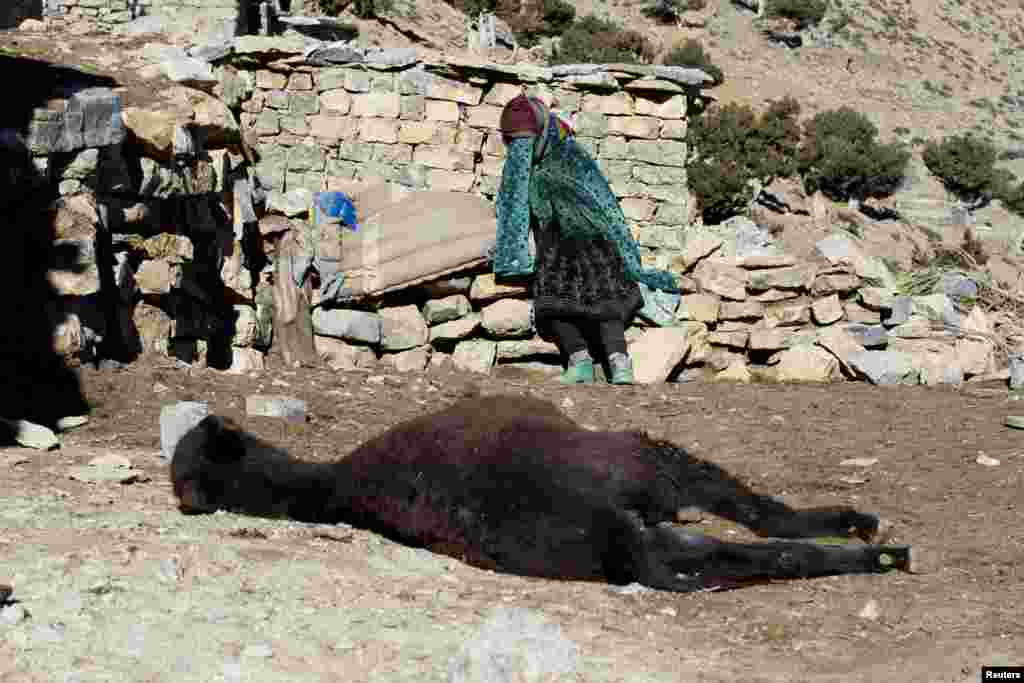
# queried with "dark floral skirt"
point(580, 278)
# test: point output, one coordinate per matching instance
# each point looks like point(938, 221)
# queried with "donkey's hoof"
point(894, 557)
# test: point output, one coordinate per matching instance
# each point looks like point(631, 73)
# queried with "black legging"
point(571, 335)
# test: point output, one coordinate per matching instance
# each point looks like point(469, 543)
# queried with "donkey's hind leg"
point(711, 488)
point(711, 561)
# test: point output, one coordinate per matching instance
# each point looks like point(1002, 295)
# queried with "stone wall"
point(434, 126)
point(178, 212)
point(208, 17)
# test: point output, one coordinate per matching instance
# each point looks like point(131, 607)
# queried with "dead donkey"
point(512, 484)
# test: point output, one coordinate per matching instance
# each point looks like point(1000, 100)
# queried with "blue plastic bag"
point(335, 205)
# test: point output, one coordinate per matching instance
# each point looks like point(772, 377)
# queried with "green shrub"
point(474, 7)
point(600, 41)
point(965, 165)
point(841, 156)
point(778, 140)
point(733, 147)
point(365, 9)
point(804, 12)
point(691, 54)
point(552, 18)
point(1013, 199)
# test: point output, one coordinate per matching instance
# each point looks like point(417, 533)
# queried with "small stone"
point(859, 462)
point(986, 461)
point(175, 420)
point(1016, 371)
point(13, 615)
point(70, 422)
point(169, 570)
point(48, 633)
point(291, 409)
point(111, 460)
point(871, 610)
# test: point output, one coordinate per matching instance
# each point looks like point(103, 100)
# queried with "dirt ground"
point(112, 583)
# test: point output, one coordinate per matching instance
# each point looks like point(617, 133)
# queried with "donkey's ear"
point(224, 439)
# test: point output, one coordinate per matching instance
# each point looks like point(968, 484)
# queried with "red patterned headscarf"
point(523, 117)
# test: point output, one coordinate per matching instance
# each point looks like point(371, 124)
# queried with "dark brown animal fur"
point(512, 484)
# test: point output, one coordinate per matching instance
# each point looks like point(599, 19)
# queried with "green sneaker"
point(578, 372)
point(622, 368)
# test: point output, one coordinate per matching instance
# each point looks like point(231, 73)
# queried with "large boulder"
point(657, 352)
point(806, 364)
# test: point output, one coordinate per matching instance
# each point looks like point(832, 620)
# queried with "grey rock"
point(269, 47)
point(514, 644)
point(341, 52)
point(136, 641)
point(358, 326)
point(293, 204)
point(402, 328)
point(291, 409)
point(683, 75)
point(100, 111)
point(175, 420)
point(92, 119)
point(953, 374)
point(447, 308)
point(456, 329)
point(232, 669)
point(561, 70)
point(751, 239)
point(899, 312)
point(885, 367)
point(189, 71)
point(475, 355)
point(658, 307)
point(169, 570)
point(48, 633)
point(958, 285)
point(868, 336)
point(1016, 370)
point(414, 82)
point(390, 57)
point(936, 307)
point(12, 615)
point(29, 434)
point(211, 52)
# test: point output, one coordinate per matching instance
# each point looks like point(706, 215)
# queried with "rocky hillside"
point(919, 68)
